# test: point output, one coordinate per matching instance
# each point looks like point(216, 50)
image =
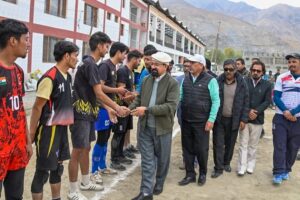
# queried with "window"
point(116, 19)
point(48, 48)
point(90, 15)
point(133, 13)
point(122, 29)
point(169, 36)
point(133, 38)
point(85, 48)
point(56, 7)
point(11, 1)
point(123, 3)
point(108, 15)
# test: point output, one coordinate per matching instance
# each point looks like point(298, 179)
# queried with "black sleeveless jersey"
point(58, 110)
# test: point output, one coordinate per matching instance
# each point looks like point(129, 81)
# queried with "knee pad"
point(55, 175)
point(39, 179)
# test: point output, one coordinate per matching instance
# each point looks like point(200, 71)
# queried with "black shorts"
point(124, 124)
point(83, 133)
point(52, 145)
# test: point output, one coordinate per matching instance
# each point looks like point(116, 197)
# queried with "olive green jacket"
point(165, 106)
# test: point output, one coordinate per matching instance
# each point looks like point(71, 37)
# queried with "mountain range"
point(243, 27)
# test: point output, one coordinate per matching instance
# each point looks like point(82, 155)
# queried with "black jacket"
point(259, 98)
point(240, 108)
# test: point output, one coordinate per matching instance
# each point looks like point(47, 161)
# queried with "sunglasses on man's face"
point(228, 69)
point(256, 70)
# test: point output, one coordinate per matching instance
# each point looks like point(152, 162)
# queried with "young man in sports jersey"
point(108, 75)
point(51, 115)
point(122, 128)
point(15, 143)
point(87, 90)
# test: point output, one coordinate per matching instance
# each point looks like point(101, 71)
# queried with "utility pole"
point(215, 50)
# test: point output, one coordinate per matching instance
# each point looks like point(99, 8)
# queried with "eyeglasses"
point(256, 70)
point(228, 69)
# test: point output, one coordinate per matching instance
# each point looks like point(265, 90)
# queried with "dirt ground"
point(229, 186)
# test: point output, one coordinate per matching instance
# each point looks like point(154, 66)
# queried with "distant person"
point(208, 68)
point(259, 98)
point(232, 116)
point(241, 67)
point(286, 122)
point(170, 67)
point(15, 142)
point(276, 75)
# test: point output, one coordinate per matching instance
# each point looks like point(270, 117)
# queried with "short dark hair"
point(208, 64)
point(185, 60)
point(263, 66)
point(148, 47)
point(150, 52)
point(98, 38)
point(241, 60)
point(117, 46)
point(254, 58)
point(134, 54)
point(11, 28)
point(62, 47)
point(229, 62)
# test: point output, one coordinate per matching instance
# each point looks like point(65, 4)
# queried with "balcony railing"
point(179, 48)
point(159, 41)
point(169, 45)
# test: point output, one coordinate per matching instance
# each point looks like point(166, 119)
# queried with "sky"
point(268, 3)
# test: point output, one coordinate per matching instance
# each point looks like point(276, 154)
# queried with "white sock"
point(73, 187)
point(85, 179)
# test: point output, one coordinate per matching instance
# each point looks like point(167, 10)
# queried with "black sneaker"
point(129, 154)
point(132, 149)
point(117, 166)
point(124, 160)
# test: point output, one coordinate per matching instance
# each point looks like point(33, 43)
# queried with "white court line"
point(123, 175)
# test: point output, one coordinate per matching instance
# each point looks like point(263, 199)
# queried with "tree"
point(229, 53)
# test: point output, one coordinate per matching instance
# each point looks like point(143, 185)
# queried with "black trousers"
point(13, 185)
point(224, 139)
point(195, 142)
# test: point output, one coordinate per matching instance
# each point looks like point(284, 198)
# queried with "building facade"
point(127, 21)
point(168, 34)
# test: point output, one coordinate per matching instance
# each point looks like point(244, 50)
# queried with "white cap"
point(198, 58)
point(162, 57)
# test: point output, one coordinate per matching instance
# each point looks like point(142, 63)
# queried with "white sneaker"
point(76, 196)
point(91, 186)
point(96, 178)
point(241, 173)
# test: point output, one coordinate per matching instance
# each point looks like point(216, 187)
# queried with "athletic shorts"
point(83, 133)
point(52, 145)
point(123, 125)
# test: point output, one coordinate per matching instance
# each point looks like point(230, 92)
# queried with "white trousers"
point(249, 138)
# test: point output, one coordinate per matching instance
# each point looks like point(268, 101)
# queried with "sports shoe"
point(96, 178)
point(92, 187)
point(285, 176)
point(108, 171)
point(277, 179)
point(76, 196)
point(124, 160)
point(241, 173)
point(117, 166)
point(129, 154)
point(132, 149)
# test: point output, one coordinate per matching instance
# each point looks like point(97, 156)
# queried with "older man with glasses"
point(260, 98)
point(232, 116)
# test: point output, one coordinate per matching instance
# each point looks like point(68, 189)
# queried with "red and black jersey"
point(12, 114)
point(58, 110)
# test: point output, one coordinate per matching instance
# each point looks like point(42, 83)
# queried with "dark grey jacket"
point(260, 98)
point(240, 108)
